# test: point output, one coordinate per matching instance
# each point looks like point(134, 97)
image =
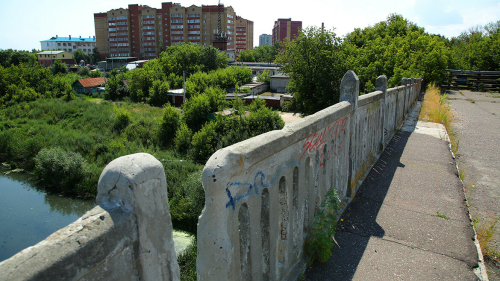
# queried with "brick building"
point(143, 32)
point(285, 28)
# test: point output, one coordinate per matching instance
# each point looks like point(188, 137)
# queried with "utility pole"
point(183, 86)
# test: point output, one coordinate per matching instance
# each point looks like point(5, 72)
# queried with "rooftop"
point(72, 39)
point(92, 82)
point(50, 52)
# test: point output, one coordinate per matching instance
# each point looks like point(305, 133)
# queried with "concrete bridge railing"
point(127, 237)
point(261, 194)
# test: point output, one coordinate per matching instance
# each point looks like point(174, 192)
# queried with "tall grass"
point(435, 109)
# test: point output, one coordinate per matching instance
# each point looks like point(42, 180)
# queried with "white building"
point(69, 44)
point(265, 39)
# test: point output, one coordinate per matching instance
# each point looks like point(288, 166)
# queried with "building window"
point(177, 37)
point(177, 26)
point(193, 26)
point(194, 38)
point(148, 27)
point(196, 32)
point(64, 44)
point(176, 21)
point(111, 19)
point(177, 32)
point(58, 44)
point(122, 18)
point(177, 15)
point(148, 17)
point(149, 22)
point(193, 21)
point(193, 15)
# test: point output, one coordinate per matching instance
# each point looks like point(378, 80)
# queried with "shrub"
point(122, 118)
point(169, 124)
point(158, 93)
point(264, 77)
point(143, 130)
point(203, 142)
point(196, 111)
point(323, 228)
point(60, 170)
point(183, 138)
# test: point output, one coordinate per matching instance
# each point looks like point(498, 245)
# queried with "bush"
point(122, 118)
point(183, 138)
point(264, 77)
point(60, 170)
point(323, 228)
point(158, 93)
point(169, 124)
point(143, 130)
point(196, 111)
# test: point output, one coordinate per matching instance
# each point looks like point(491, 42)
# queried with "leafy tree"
point(95, 74)
point(115, 88)
point(314, 62)
point(83, 71)
point(264, 77)
point(169, 124)
point(158, 93)
point(96, 56)
point(79, 55)
point(59, 67)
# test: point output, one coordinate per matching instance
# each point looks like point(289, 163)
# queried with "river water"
point(28, 215)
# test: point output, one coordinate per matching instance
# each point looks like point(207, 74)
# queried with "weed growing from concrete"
point(485, 233)
point(441, 215)
point(323, 230)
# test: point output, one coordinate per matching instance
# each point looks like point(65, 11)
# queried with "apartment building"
point(265, 39)
point(143, 32)
point(47, 58)
point(69, 44)
point(285, 28)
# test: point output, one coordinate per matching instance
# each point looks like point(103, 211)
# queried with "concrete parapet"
point(261, 194)
point(127, 237)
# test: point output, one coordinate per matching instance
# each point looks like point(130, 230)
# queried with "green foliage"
point(12, 57)
point(116, 88)
point(396, 48)
point(96, 56)
point(264, 77)
point(142, 130)
point(95, 74)
point(229, 130)
point(264, 53)
point(59, 67)
point(196, 111)
point(79, 55)
point(60, 170)
point(315, 64)
point(257, 104)
point(83, 71)
point(122, 118)
point(288, 106)
point(222, 78)
point(169, 124)
point(183, 138)
point(187, 262)
point(321, 241)
point(158, 93)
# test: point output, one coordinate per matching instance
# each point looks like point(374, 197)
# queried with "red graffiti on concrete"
point(317, 141)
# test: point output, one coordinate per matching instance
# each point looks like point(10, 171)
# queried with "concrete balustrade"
point(127, 237)
point(261, 194)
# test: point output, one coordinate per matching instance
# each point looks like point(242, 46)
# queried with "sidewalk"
point(409, 219)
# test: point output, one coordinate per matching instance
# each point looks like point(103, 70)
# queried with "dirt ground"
point(290, 117)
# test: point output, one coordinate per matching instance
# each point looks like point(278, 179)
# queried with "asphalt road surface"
point(477, 124)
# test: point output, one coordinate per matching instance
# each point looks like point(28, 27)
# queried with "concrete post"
point(381, 85)
point(136, 183)
point(349, 91)
point(404, 82)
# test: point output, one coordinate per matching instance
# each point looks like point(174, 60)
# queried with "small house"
point(89, 85)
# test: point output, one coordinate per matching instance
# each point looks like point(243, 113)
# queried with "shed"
point(279, 82)
point(89, 85)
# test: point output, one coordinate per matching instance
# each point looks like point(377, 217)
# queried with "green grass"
point(441, 215)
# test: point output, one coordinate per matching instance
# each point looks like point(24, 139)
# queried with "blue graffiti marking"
point(258, 184)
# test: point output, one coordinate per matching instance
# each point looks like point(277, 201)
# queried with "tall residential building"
point(265, 39)
point(285, 28)
point(69, 44)
point(143, 32)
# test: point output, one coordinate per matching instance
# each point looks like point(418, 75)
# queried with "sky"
point(27, 22)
